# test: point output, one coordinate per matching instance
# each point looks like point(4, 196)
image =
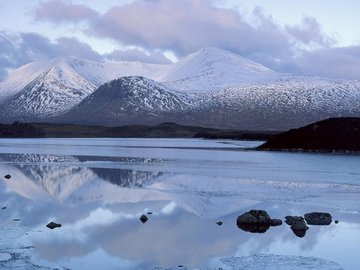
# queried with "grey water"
point(98, 188)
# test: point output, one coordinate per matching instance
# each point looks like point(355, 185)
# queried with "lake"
point(98, 189)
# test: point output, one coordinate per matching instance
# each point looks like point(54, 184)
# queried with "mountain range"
point(211, 87)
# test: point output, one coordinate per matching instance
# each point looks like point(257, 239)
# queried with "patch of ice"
point(4, 256)
point(273, 262)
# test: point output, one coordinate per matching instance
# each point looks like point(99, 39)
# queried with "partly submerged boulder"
point(318, 218)
point(297, 225)
point(254, 217)
point(256, 221)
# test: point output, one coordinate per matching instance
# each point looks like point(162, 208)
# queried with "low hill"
point(163, 130)
point(334, 134)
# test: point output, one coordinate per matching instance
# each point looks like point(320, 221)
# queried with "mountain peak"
point(210, 68)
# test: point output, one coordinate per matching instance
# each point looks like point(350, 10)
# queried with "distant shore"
point(163, 130)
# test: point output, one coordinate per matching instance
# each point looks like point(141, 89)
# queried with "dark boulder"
point(297, 225)
point(8, 176)
point(53, 225)
point(254, 217)
point(318, 218)
point(256, 221)
point(143, 218)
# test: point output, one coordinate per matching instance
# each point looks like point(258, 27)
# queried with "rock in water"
point(318, 218)
point(297, 225)
point(143, 218)
point(53, 225)
point(8, 176)
point(275, 222)
point(260, 217)
point(256, 221)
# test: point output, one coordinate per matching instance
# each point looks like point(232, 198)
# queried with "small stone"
point(143, 218)
point(336, 221)
point(219, 223)
point(275, 222)
point(8, 176)
point(53, 225)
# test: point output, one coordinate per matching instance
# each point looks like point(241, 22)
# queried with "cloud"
point(185, 26)
point(138, 56)
point(310, 32)
point(180, 26)
point(341, 62)
point(59, 11)
point(17, 49)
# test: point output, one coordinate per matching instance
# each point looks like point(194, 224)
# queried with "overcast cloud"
point(183, 27)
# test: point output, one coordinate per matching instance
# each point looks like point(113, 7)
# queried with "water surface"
point(98, 188)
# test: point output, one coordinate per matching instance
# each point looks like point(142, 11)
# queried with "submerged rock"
point(254, 228)
point(318, 218)
point(8, 176)
point(143, 218)
point(256, 221)
point(53, 225)
point(297, 225)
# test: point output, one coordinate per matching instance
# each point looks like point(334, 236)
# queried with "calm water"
point(98, 188)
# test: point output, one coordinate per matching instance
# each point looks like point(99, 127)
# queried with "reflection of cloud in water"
point(169, 237)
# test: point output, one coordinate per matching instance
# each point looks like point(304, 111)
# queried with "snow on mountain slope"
point(129, 99)
point(21, 77)
point(100, 73)
point(211, 68)
point(288, 102)
point(232, 91)
point(55, 91)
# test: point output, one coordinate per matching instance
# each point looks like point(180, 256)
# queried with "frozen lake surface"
point(98, 188)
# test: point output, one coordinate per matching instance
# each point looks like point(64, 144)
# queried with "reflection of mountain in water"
point(52, 173)
point(64, 176)
point(127, 178)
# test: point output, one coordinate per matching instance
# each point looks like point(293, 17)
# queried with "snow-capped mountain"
point(53, 92)
point(44, 89)
point(212, 68)
point(280, 104)
point(211, 87)
point(129, 100)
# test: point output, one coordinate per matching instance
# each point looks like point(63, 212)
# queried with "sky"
point(310, 37)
